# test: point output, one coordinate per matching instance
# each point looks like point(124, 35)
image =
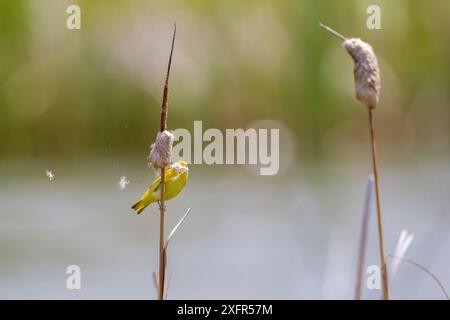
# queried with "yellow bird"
point(176, 177)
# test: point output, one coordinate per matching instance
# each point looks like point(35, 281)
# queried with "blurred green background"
point(85, 104)
point(97, 91)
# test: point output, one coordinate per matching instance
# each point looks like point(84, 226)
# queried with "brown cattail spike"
point(165, 102)
point(162, 158)
point(367, 87)
point(367, 73)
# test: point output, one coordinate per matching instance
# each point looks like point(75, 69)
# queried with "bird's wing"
point(155, 184)
point(169, 174)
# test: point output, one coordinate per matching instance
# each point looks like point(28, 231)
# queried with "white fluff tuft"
point(366, 72)
point(404, 241)
point(161, 150)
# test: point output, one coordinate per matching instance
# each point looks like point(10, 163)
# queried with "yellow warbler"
point(176, 177)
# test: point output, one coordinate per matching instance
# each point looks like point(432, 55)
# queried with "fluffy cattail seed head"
point(161, 150)
point(366, 72)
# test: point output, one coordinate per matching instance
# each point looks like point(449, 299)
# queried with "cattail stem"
point(363, 239)
point(384, 274)
point(162, 267)
point(367, 86)
point(162, 205)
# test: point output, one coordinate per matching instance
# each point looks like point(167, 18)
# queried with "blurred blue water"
point(247, 236)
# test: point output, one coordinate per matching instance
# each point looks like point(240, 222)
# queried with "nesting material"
point(161, 150)
point(366, 72)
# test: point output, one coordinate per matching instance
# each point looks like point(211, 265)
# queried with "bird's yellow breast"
point(173, 185)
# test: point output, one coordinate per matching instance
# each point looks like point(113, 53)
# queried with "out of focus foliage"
point(97, 91)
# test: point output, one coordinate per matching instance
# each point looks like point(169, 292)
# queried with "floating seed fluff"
point(366, 72)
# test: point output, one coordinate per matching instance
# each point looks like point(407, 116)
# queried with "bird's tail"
point(139, 206)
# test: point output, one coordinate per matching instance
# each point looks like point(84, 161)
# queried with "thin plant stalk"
point(363, 238)
point(333, 32)
point(384, 274)
point(162, 204)
point(367, 85)
point(162, 259)
point(166, 245)
point(431, 274)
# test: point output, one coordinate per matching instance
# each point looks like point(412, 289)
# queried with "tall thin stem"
point(162, 267)
point(384, 274)
point(162, 204)
point(363, 238)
